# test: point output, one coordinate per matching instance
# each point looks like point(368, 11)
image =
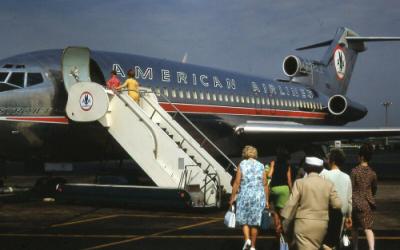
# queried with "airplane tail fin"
point(332, 74)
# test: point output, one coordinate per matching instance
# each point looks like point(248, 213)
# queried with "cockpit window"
point(34, 78)
point(17, 78)
point(3, 76)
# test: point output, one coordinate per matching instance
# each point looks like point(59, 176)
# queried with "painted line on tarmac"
point(159, 236)
point(171, 216)
point(84, 221)
point(131, 215)
point(240, 237)
point(152, 235)
point(69, 235)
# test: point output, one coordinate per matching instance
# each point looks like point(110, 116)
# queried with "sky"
point(251, 36)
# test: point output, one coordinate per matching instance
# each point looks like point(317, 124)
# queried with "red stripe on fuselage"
point(226, 110)
point(39, 119)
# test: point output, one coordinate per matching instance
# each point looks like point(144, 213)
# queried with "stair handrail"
point(231, 163)
point(127, 104)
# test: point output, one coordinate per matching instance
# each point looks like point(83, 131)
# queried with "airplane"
point(233, 109)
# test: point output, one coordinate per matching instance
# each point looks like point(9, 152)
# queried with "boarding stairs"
point(166, 152)
point(169, 155)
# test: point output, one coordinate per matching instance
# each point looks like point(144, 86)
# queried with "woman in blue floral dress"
point(252, 197)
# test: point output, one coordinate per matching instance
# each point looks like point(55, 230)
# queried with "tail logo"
point(340, 63)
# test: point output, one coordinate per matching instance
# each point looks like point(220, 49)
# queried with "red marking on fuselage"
point(39, 119)
point(229, 110)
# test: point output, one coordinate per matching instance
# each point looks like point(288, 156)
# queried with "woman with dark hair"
point(364, 184)
point(281, 184)
point(113, 82)
point(251, 182)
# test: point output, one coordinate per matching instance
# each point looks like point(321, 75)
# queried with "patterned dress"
point(364, 184)
point(251, 197)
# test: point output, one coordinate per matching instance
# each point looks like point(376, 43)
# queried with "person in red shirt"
point(114, 81)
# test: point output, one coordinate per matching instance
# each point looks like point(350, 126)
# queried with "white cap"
point(314, 161)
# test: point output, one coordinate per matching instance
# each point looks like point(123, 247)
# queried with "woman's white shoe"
point(247, 244)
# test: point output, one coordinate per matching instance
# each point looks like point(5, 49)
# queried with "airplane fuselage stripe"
point(207, 109)
point(37, 119)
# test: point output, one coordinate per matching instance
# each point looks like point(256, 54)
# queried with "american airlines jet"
point(232, 109)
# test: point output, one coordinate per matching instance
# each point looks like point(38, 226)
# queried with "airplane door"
point(75, 66)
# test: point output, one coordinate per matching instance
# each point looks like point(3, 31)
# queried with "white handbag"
point(345, 241)
point(230, 218)
point(283, 245)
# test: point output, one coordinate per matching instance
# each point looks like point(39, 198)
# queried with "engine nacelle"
point(341, 107)
point(296, 66)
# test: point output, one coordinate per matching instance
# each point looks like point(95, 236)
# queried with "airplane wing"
point(295, 131)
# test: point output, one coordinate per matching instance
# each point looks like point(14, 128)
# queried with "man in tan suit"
point(308, 207)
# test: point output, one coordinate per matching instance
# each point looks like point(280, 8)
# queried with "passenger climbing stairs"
point(168, 154)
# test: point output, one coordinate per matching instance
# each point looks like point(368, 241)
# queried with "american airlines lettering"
point(205, 80)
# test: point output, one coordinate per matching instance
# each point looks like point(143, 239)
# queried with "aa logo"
point(86, 101)
point(340, 63)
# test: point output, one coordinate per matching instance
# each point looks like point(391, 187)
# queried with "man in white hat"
point(308, 206)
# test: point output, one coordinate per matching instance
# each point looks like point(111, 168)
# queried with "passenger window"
point(273, 102)
point(242, 99)
point(34, 78)
point(201, 96)
point(237, 99)
point(166, 92)
point(247, 99)
point(194, 95)
point(158, 92)
point(252, 100)
point(3, 76)
point(17, 79)
point(258, 100)
point(268, 103)
point(173, 93)
point(214, 97)
point(226, 98)
point(220, 97)
point(208, 96)
point(181, 94)
point(232, 99)
point(286, 103)
point(188, 94)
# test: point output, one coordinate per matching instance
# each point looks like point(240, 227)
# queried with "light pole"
point(386, 104)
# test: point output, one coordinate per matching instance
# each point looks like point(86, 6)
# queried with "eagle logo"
point(86, 101)
point(340, 63)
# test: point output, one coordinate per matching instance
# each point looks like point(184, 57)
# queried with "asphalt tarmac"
point(35, 224)
point(27, 222)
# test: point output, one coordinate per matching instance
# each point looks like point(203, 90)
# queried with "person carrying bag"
point(266, 220)
point(230, 218)
point(283, 245)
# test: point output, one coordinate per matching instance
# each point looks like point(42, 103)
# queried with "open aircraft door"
point(87, 101)
point(75, 66)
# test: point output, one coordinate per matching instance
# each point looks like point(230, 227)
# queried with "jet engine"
point(341, 107)
point(296, 66)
